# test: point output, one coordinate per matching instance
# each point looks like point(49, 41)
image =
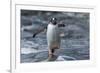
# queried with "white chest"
point(53, 34)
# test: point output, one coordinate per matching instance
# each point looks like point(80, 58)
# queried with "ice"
point(64, 58)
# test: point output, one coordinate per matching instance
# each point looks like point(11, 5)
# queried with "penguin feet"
point(51, 56)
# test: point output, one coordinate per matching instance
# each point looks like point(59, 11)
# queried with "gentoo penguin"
point(53, 37)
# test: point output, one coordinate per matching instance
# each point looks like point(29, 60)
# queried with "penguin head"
point(53, 21)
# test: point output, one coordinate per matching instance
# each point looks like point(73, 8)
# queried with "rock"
point(41, 56)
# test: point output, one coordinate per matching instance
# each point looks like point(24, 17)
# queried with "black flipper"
point(34, 35)
point(61, 25)
point(39, 31)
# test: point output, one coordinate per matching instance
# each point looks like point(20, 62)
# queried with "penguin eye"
point(53, 18)
point(53, 21)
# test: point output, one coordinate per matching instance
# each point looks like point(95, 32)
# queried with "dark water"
point(74, 43)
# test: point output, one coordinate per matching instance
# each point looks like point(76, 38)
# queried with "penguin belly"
point(53, 37)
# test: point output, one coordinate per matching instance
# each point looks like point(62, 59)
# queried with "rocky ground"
point(74, 43)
